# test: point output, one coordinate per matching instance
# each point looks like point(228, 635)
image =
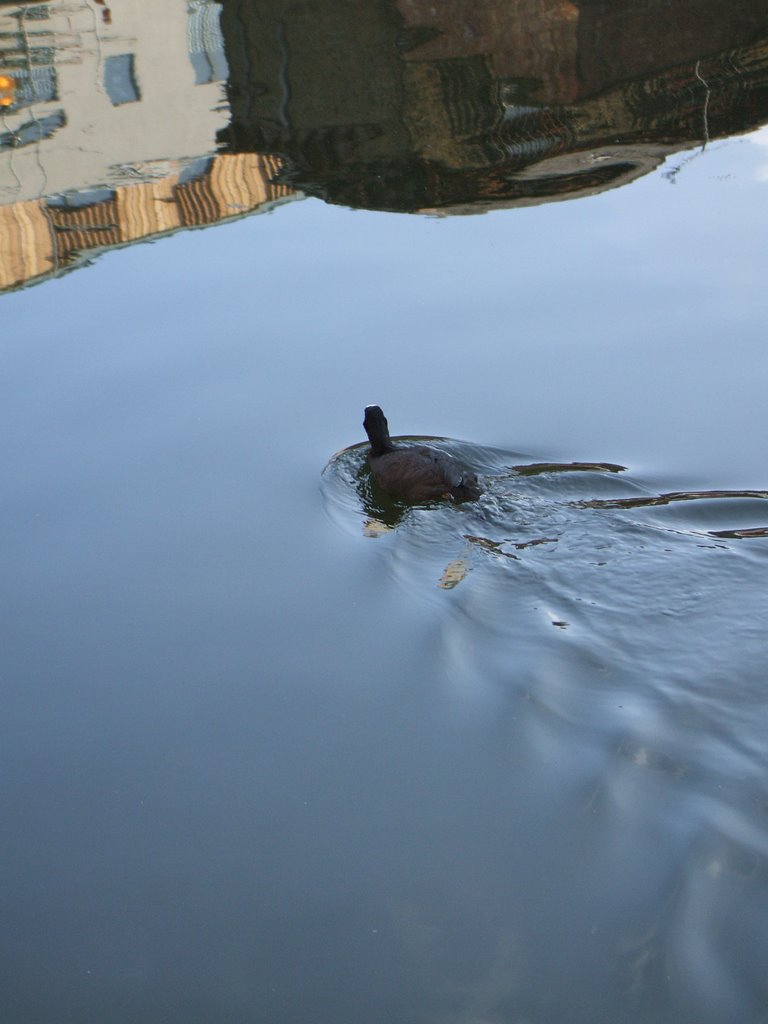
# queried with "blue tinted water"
point(259, 766)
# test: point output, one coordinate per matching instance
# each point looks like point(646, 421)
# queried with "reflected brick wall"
point(41, 237)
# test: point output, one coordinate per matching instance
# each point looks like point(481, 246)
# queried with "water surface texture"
point(273, 747)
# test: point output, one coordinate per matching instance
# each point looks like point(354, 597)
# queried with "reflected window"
point(33, 131)
point(120, 79)
point(38, 12)
point(27, 74)
point(194, 169)
point(87, 197)
point(205, 42)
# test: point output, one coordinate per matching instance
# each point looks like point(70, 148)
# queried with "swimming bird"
point(414, 473)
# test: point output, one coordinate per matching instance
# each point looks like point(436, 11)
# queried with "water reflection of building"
point(406, 105)
point(109, 118)
point(106, 119)
point(568, 50)
point(43, 236)
point(93, 93)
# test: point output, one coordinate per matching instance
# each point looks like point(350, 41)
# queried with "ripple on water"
point(579, 554)
point(616, 631)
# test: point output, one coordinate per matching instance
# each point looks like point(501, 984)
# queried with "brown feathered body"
point(414, 473)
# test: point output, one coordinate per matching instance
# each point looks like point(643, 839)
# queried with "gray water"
point(274, 753)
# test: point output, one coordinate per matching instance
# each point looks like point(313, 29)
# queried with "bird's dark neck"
point(382, 445)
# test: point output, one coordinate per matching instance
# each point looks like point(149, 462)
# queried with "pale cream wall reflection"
point(124, 78)
point(108, 122)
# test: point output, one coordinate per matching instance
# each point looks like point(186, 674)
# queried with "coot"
point(414, 473)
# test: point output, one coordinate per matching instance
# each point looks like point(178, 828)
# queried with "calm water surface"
point(274, 753)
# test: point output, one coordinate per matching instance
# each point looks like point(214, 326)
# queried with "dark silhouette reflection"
point(382, 512)
point(757, 531)
point(670, 496)
point(405, 105)
point(535, 468)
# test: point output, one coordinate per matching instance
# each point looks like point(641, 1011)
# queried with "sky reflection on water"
point(261, 766)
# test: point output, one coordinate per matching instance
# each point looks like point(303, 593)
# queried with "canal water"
point(276, 749)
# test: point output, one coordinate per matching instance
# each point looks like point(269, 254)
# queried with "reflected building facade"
point(118, 124)
point(93, 95)
point(407, 105)
point(108, 123)
point(41, 237)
